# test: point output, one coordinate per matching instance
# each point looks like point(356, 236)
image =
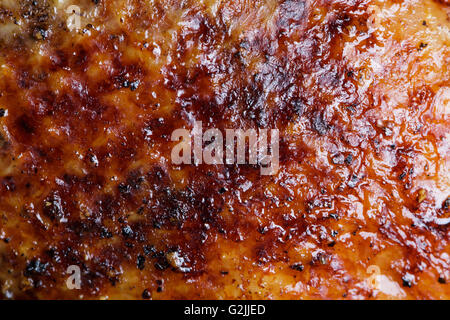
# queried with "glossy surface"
point(359, 89)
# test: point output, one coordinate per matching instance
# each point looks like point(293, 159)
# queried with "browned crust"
point(86, 177)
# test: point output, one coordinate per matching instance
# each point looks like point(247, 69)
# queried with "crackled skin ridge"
point(359, 89)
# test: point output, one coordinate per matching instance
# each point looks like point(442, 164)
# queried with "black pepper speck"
point(146, 294)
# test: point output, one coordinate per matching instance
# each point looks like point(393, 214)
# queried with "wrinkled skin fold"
point(359, 89)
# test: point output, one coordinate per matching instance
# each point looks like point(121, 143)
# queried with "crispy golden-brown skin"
point(359, 89)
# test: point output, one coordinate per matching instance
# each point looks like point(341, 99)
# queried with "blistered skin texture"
point(359, 89)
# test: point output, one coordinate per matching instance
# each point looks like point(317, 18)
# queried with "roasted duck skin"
point(89, 98)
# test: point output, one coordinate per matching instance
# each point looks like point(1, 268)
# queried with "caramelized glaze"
point(359, 89)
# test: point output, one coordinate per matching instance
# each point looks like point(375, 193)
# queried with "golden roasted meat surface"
point(90, 95)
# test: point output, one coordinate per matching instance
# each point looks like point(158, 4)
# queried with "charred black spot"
point(349, 159)
point(149, 250)
point(446, 204)
point(146, 294)
point(253, 105)
point(9, 184)
point(105, 233)
point(140, 262)
point(35, 267)
point(162, 264)
point(124, 188)
point(53, 207)
point(297, 267)
point(127, 232)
